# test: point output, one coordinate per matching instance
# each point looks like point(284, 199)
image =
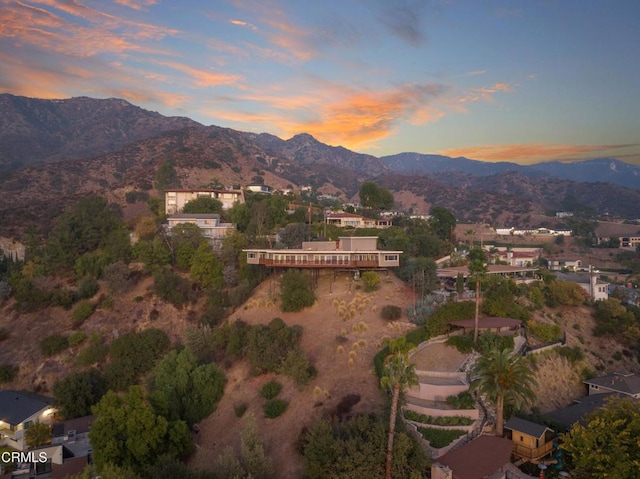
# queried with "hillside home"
point(209, 224)
point(514, 256)
point(629, 241)
point(355, 221)
point(260, 188)
point(531, 441)
point(595, 288)
point(19, 410)
point(484, 457)
point(620, 383)
point(513, 231)
point(562, 264)
point(174, 200)
point(347, 252)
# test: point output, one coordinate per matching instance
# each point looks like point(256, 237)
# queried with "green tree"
point(397, 374)
point(182, 389)
point(184, 241)
point(38, 435)
point(203, 205)
point(477, 268)
point(128, 433)
point(504, 378)
point(607, 444)
point(166, 176)
point(374, 196)
point(77, 392)
point(206, 268)
point(296, 291)
point(442, 223)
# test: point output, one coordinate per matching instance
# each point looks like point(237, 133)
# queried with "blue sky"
point(524, 81)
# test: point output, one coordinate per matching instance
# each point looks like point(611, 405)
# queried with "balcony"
point(318, 263)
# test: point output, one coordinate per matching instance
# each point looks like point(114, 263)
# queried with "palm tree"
point(504, 378)
point(477, 268)
point(397, 374)
point(470, 234)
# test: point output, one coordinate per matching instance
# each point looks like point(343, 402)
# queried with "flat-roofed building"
point(348, 252)
point(174, 200)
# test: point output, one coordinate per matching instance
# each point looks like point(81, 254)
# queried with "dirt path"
point(342, 333)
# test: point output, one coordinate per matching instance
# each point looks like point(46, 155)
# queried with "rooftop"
point(625, 383)
point(527, 427)
point(478, 459)
point(16, 406)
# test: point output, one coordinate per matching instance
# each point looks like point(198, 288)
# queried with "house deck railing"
point(301, 263)
point(533, 454)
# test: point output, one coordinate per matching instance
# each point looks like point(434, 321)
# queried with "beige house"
point(356, 221)
point(174, 200)
point(347, 252)
point(620, 383)
point(210, 224)
point(19, 410)
point(531, 441)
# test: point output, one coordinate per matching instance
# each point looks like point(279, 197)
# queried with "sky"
point(494, 80)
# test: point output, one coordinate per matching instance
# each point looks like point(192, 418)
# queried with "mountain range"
point(52, 151)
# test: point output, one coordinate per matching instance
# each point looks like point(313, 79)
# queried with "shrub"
point(270, 390)
point(273, 408)
point(437, 420)
point(370, 280)
point(92, 353)
point(77, 337)
point(296, 366)
point(63, 298)
point(172, 287)
point(438, 322)
point(88, 287)
point(268, 345)
point(82, 311)
point(545, 332)
point(439, 438)
point(463, 400)
point(7, 372)
point(464, 343)
point(390, 312)
point(240, 409)
point(573, 354)
point(4, 334)
point(296, 291)
point(53, 344)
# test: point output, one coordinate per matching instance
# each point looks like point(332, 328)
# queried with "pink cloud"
point(202, 78)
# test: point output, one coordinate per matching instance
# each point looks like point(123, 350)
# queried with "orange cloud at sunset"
point(530, 153)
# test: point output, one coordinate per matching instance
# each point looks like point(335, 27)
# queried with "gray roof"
point(527, 427)
point(16, 406)
point(566, 417)
point(618, 382)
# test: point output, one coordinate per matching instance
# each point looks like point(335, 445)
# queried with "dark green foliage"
point(500, 300)
point(415, 336)
point(166, 176)
point(128, 433)
point(271, 389)
point(563, 293)
point(132, 355)
point(118, 277)
point(154, 254)
point(7, 372)
point(440, 437)
point(269, 345)
point(463, 400)
point(437, 420)
point(545, 332)
point(442, 223)
point(464, 343)
point(206, 268)
point(183, 389)
point(63, 298)
point(77, 337)
point(240, 409)
point(356, 449)
point(376, 197)
point(612, 317)
point(82, 311)
point(94, 352)
point(77, 392)
point(203, 205)
point(53, 344)
point(28, 296)
point(274, 408)
point(85, 227)
point(292, 235)
point(438, 322)
point(488, 341)
point(391, 312)
point(87, 287)
point(135, 196)
point(167, 467)
point(296, 365)
point(172, 287)
point(296, 291)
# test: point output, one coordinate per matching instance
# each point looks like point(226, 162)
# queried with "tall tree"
point(607, 444)
point(397, 373)
point(477, 268)
point(442, 223)
point(504, 378)
point(374, 196)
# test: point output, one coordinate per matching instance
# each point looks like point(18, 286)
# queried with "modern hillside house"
point(174, 200)
point(19, 410)
point(347, 253)
point(209, 224)
point(356, 221)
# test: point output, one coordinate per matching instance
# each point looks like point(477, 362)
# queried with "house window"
point(28, 424)
point(251, 255)
point(390, 257)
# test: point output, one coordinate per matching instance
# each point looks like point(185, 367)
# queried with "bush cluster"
point(391, 312)
point(274, 408)
point(463, 400)
point(270, 390)
point(53, 344)
point(439, 438)
point(439, 420)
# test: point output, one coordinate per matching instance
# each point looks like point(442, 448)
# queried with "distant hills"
point(601, 170)
point(53, 151)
